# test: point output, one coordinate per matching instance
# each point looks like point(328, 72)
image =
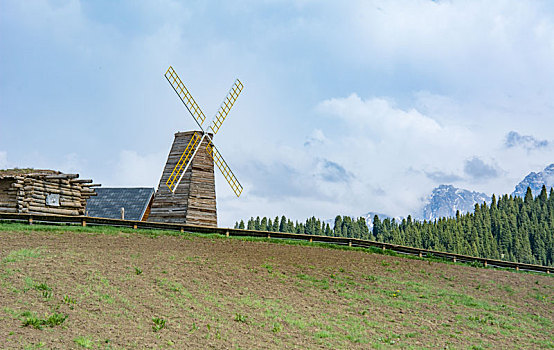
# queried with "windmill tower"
point(186, 192)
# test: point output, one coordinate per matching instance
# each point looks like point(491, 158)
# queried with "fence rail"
point(353, 242)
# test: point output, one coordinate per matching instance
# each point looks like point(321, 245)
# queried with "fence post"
point(350, 243)
point(485, 263)
point(182, 230)
point(310, 239)
point(83, 223)
point(30, 220)
point(420, 255)
point(122, 213)
point(454, 259)
point(227, 233)
point(134, 226)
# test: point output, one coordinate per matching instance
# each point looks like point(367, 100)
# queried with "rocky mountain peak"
point(535, 181)
point(445, 200)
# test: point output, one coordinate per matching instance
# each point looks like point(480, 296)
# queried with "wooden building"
point(193, 202)
point(43, 192)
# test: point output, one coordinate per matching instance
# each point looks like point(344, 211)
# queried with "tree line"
point(510, 228)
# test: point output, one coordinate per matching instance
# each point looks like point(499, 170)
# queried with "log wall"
point(194, 199)
point(27, 193)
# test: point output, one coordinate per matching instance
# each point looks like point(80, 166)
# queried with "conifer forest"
point(509, 228)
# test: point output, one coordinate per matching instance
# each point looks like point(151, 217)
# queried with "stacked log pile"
point(194, 199)
point(44, 192)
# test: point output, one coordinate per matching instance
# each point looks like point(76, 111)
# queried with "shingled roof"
point(110, 200)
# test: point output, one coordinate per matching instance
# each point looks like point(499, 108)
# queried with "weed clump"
point(159, 324)
point(241, 318)
point(32, 320)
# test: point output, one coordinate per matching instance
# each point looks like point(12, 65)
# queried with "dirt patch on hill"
point(134, 291)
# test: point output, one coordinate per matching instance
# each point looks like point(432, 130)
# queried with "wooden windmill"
point(186, 192)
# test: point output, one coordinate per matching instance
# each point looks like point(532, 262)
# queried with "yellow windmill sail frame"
point(185, 95)
point(226, 105)
point(224, 168)
point(182, 164)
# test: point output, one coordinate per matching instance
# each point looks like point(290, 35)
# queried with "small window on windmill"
point(53, 200)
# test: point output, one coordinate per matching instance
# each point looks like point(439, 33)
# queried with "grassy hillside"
point(108, 288)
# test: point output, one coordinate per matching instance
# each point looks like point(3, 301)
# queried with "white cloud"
point(317, 136)
point(138, 170)
point(435, 83)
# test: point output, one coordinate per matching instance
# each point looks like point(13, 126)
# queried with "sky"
point(347, 107)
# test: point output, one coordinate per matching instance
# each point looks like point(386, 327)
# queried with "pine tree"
point(338, 226)
point(377, 227)
point(290, 226)
point(283, 226)
point(528, 196)
point(328, 231)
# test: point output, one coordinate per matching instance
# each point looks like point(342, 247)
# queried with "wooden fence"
point(352, 242)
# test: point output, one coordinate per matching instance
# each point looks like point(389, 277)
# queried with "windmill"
point(186, 192)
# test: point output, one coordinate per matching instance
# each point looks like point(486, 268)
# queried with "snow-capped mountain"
point(445, 200)
point(371, 215)
point(368, 218)
point(536, 181)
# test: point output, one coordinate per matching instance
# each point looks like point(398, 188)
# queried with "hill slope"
point(117, 288)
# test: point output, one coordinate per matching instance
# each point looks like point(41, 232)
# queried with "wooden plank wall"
point(194, 199)
point(26, 193)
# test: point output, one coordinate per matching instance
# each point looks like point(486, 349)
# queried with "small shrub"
point(138, 271)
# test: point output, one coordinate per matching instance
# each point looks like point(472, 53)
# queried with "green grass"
point(21, 254)
point(84, 342)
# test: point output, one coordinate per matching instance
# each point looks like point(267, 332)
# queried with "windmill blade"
point(226, 105)
point(185, 96)
point(186, 159)
point(224, 168)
